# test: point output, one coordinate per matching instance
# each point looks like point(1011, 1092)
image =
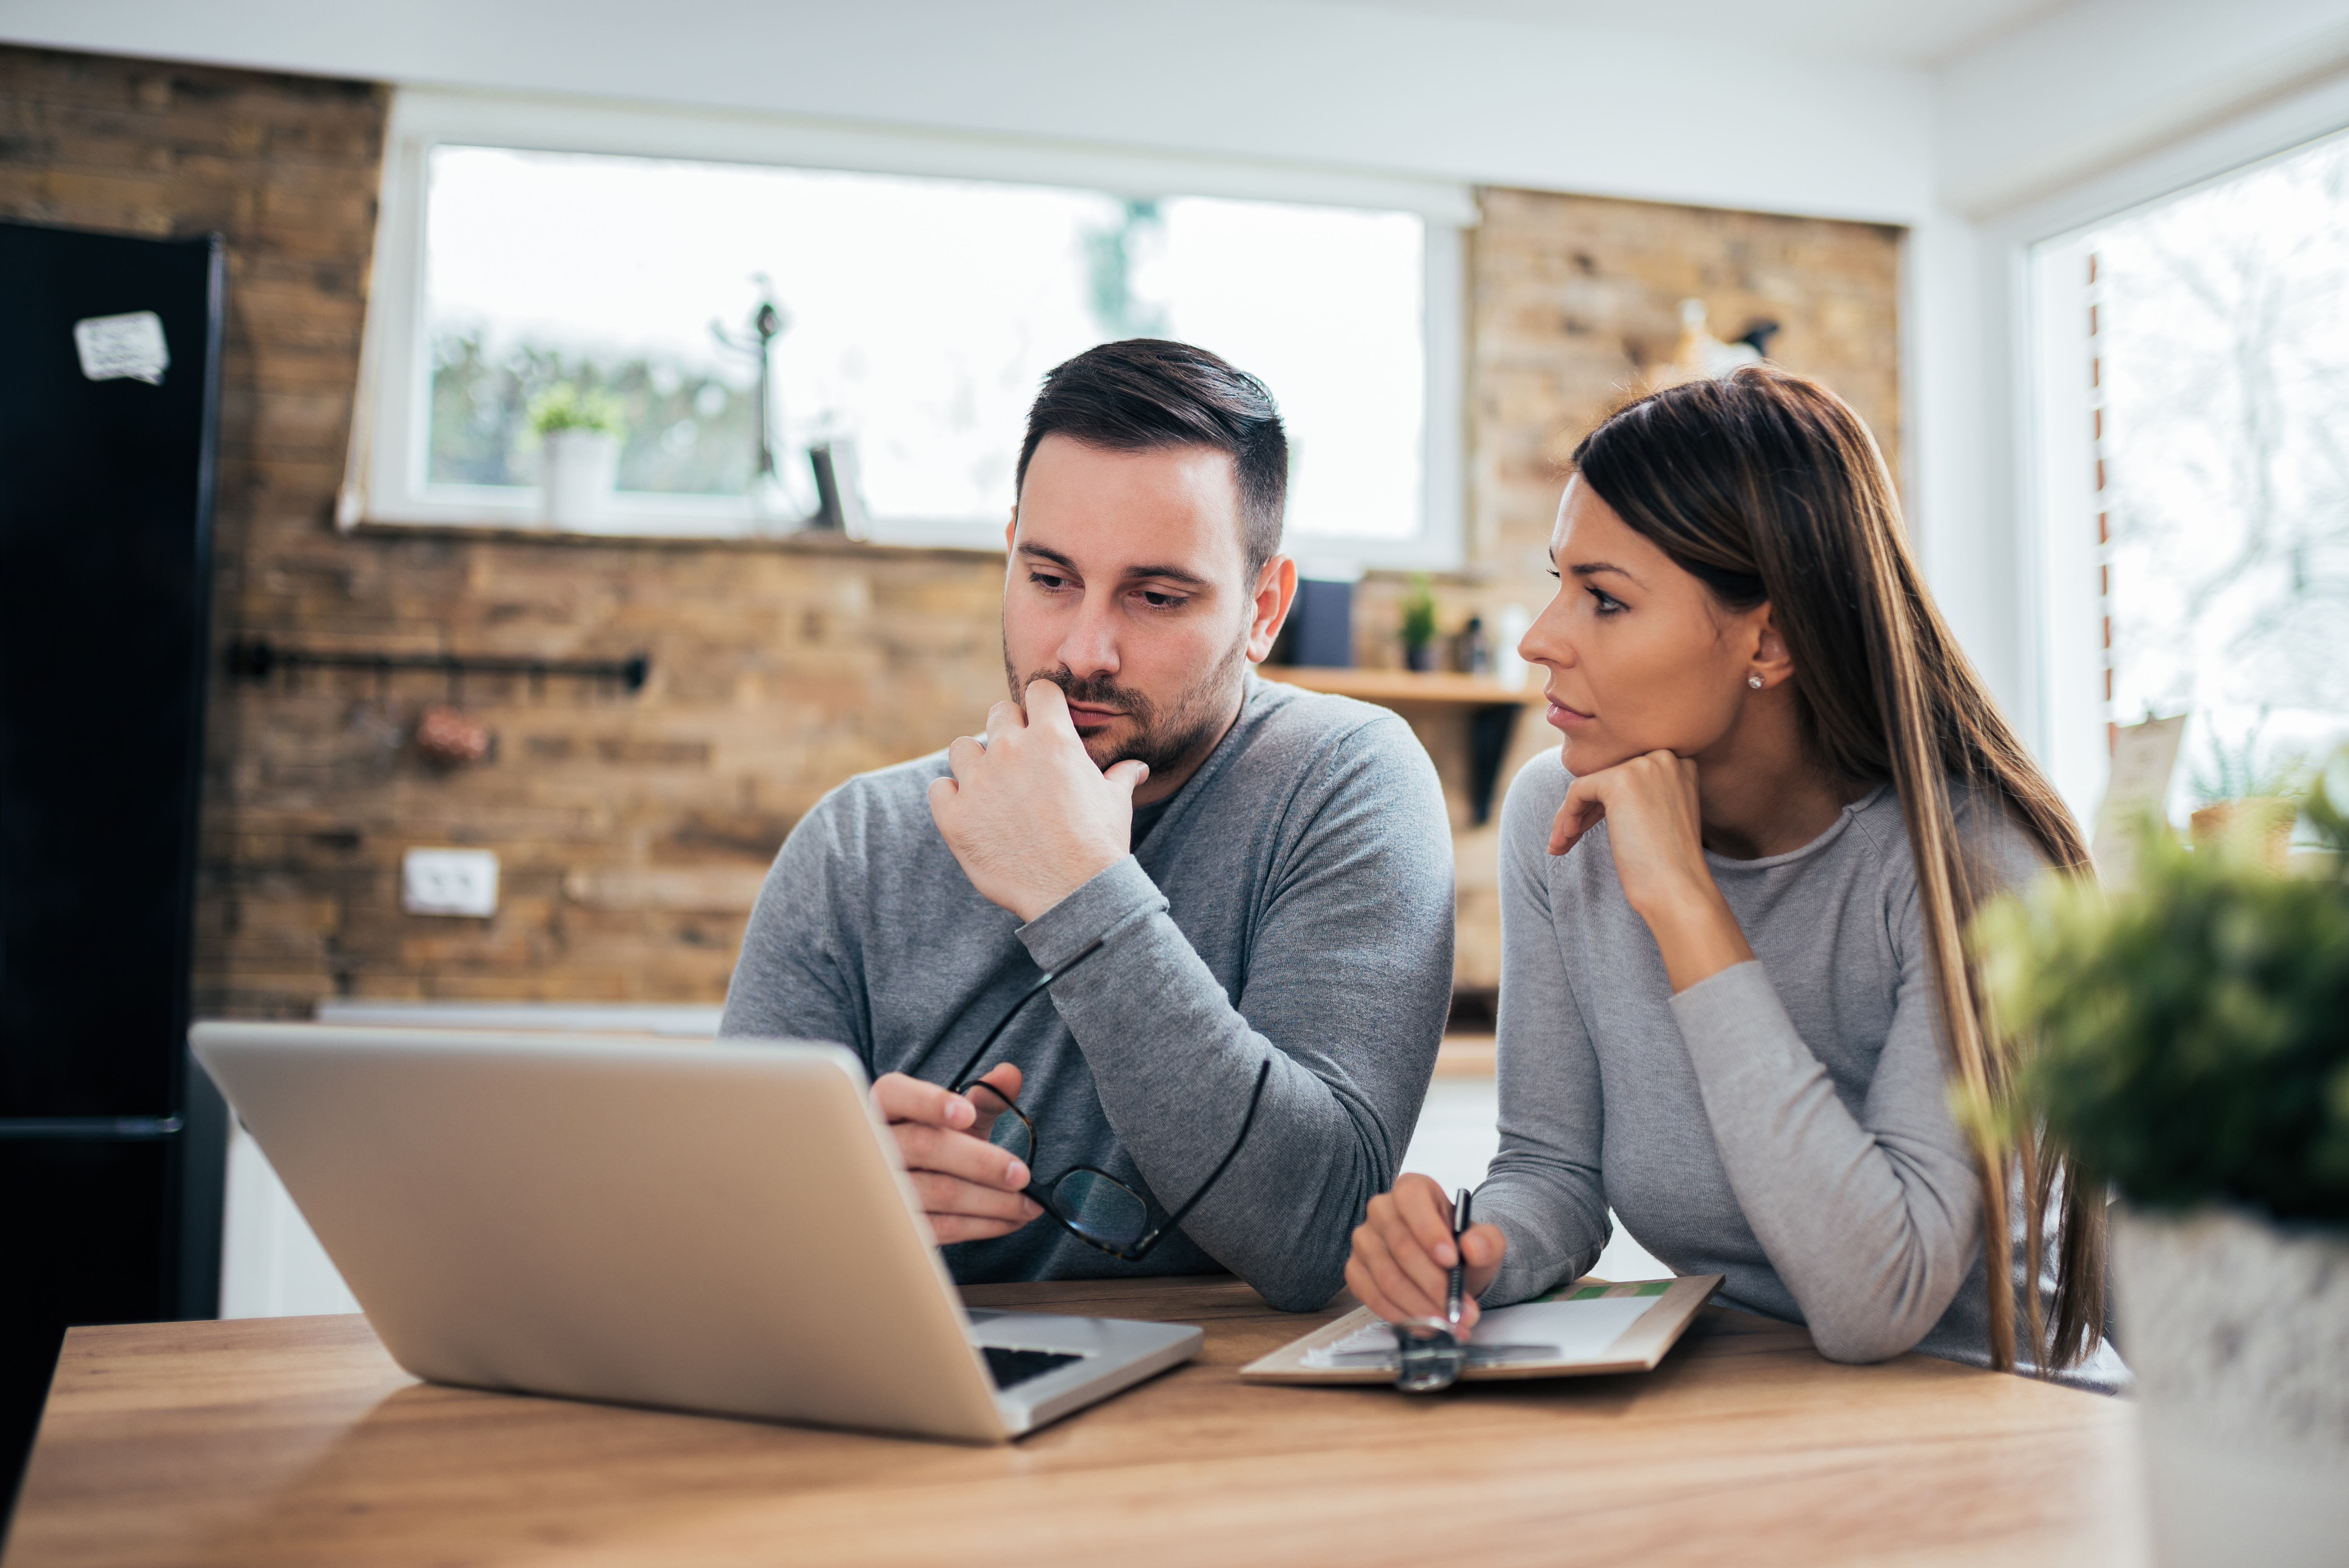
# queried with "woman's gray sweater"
point(1784, 1123)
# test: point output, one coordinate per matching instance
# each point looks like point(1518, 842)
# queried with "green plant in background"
point(2187, 1041)
point(2236, 773)
point(1419, 614)
point(690, 431)
point(566, 407)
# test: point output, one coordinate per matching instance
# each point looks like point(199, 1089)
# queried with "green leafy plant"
point(2236, 772)
point(564, 406)
point(2188, 1040)
point(1419, 614)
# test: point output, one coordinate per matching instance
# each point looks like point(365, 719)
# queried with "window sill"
point(806, 542)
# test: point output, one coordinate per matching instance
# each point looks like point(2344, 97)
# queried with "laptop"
point(723, 1228)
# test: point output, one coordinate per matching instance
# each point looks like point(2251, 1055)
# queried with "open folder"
point(1588, 1327)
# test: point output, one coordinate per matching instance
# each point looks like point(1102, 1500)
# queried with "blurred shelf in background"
point(1390, 686)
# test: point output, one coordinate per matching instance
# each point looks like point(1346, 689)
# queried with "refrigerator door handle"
point(119, 1127)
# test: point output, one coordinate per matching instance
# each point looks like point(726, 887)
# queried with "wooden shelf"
point(1403, 686)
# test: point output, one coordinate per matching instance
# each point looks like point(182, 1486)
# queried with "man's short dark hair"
point(1146, 393)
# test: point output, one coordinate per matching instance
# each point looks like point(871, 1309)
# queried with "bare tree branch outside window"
point(2225, 346)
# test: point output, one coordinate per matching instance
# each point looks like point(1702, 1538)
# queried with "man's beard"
point(1163, 740)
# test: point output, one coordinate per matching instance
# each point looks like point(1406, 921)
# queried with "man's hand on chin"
point(1028, 814)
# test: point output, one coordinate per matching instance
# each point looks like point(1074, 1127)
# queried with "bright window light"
point(2218, 375)
point(923, 315)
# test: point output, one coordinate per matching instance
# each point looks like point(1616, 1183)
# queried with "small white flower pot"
point(2238, 1331)
point(578, 470)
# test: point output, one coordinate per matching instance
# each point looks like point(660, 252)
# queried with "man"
point(1266, 873)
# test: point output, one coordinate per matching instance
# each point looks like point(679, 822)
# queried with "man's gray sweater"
point(1294, 901)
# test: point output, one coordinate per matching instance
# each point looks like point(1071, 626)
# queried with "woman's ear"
point(1770, 661)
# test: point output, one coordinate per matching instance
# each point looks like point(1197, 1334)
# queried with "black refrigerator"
point(111, 1140)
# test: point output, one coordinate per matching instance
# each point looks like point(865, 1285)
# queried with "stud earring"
point(1753, 681)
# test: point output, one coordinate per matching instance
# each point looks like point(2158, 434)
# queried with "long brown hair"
point(1768, 487)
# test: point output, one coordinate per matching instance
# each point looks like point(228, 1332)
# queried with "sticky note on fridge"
point(127, 347)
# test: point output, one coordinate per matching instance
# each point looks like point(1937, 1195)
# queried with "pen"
point(1459, 1262)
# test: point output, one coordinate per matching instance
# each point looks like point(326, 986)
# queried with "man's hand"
point(1027, 815)
point(971, 1190)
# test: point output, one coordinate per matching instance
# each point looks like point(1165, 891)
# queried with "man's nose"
point(1089, 645)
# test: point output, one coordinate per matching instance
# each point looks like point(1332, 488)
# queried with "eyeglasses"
point(1092, 1205)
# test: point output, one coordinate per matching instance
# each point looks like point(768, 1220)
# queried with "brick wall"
point(1573, 301)
point(632, 829)
point(1576, 296)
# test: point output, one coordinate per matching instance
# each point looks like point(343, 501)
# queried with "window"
point(920, 312)
point(2194, 360)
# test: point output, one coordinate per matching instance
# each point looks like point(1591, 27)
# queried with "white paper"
point(128, 347)
point(1573, 1330)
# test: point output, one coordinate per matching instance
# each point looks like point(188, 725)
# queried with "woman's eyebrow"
point(1593, 568)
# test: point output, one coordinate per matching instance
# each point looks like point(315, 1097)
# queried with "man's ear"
point(1276, 591)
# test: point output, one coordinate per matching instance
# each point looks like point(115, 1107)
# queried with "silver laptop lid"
point(720, 1227)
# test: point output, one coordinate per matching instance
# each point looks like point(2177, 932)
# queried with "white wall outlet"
point(448, 882)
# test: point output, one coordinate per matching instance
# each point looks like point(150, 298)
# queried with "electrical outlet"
point(448, 882)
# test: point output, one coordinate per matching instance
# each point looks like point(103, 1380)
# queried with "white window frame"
point(384, 485)
point(2051, 475)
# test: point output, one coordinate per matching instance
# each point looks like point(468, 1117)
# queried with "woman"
point(1734, 994)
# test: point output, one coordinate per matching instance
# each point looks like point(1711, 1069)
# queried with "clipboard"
point(1637, 1347)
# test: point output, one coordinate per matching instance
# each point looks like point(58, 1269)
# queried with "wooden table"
point(295, 1441)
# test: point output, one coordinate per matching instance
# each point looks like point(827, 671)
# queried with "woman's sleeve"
point(1543, 1188)
point(1872, 1222)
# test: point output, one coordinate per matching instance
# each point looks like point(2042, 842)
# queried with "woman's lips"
point(1565, 718)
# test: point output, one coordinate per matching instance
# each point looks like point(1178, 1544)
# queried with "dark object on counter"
point(1758, 336)
point(1321, 629)
point(1489, 729)
point(839, 507)
point(112, 1142)
point(1476, 648)
point(1421, 658)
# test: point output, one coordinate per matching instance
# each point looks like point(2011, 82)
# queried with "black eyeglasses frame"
point(1040, 1192)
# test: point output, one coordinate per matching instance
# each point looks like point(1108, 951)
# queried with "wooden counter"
point(295, 1441)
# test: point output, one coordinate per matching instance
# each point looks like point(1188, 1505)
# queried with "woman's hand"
point(1402, 1257)
point(1657, 832)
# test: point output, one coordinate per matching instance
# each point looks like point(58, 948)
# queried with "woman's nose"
point(1545, 642)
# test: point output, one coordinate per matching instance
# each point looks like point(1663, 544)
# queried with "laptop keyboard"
point(1009, 1367)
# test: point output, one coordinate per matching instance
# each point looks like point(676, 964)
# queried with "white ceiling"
point(1887, 32)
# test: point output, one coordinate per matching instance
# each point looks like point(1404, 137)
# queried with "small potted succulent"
point(1419, 625)
point(2188, 1042)
point(579, 452)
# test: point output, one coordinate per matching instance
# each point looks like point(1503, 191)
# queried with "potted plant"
point(2239, 786)
point(579, 452)
point(2188, 1043)
point(1419, 625)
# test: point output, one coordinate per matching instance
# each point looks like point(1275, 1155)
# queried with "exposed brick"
point(632, 830)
